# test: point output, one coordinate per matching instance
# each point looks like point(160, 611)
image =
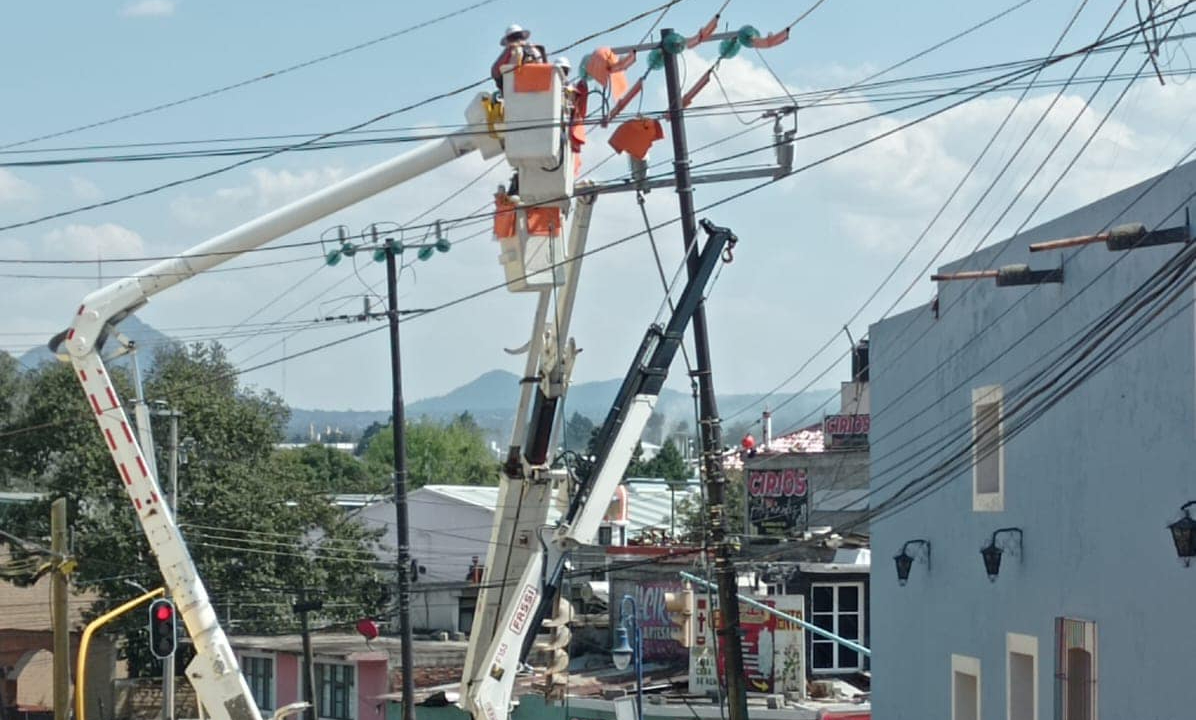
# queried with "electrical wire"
point(357, 126)
point(250, 81)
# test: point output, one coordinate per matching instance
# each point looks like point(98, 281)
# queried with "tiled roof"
point(807, 440)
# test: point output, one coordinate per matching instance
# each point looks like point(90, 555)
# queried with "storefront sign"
point(775, 500)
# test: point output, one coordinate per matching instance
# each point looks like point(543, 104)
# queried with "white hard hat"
point(563, 63)
point(514, 32)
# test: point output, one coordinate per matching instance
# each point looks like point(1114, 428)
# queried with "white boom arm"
point(491, 676)
point(214, 672)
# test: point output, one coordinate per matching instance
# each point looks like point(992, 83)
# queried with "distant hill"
point(491, 397)
point(146, 338)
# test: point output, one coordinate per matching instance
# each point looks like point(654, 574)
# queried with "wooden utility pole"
point(58, 611)
point(402, 539)
point(730, 643)
point(302, 608)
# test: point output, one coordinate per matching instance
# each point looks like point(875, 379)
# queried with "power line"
point(357, 126)
point(252, 80)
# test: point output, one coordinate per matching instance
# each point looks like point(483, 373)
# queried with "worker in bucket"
point(517, 50)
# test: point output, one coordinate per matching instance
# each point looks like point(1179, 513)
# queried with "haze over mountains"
point(491, 399)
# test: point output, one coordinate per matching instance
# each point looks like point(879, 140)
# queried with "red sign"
point(847, 424)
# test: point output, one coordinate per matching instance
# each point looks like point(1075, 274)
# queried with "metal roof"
point(648, 501)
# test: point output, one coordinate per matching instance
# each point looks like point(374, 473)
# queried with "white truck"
point(523, 569)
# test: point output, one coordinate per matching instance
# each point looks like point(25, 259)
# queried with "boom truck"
point(526, 559)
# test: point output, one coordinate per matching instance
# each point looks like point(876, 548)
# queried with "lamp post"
point(630, 646)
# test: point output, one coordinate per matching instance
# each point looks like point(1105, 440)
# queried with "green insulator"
point(581, 70)
point(655, 59)
point(728, 48)
point(348, 249)
point(747, 36)
point(443, 245)
point(673, 43)
point(379, 254)
point(333, 257)
point(426, 252)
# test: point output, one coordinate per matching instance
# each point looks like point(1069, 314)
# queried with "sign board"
point(774, 650)
point(842, 430)
point(775, 500)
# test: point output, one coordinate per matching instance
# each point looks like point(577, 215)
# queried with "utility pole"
point(711, 431)
point(58, 611)
point(302, 608)
point(400, 471)
point(173, 472)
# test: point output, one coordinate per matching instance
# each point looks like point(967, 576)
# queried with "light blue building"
point(995, 408)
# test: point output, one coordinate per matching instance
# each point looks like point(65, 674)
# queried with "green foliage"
point(451, 454)
point(668, 464)
point(578, 431)
point(691, 520)
point(258, 521)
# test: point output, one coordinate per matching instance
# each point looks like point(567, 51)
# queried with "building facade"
point(1003, 418)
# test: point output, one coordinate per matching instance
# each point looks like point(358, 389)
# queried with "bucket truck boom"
point(536, 115)
point(530, 585)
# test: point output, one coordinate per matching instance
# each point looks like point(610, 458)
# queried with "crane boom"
point(490, 677)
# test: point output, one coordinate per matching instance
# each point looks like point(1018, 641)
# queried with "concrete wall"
point(1092, 484)
point(373, 680)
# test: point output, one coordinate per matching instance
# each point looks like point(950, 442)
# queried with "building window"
point(336, 698)
point(1075, 669)
point(965, 688)
point(1021, 677)
point(259, 674)
point(988, 451)
point(838, 609)
point(604, 535)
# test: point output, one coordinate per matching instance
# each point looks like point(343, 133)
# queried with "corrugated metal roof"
point(648, 501)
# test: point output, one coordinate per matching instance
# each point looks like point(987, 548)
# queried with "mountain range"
point(491, 399)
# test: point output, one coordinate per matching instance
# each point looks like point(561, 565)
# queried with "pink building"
point(351, 674)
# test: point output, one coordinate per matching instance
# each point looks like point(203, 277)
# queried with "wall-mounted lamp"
point(905, 560)
point(1183, 532)
point(993, 551)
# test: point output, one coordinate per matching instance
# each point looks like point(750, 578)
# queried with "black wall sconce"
point(1183, 532)
point(993, 551)
point(904, 560)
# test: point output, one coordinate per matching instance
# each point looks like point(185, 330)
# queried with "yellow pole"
point(81, 667)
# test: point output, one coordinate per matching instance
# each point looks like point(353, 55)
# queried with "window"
point(1021, 677)
point(965, 688)
point(1075, 669)
point(336, 699)
point(259, 674)
point(604, 535)
point(988, 452)
point(838, 609)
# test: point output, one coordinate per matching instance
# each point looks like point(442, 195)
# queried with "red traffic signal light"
point(162, 628)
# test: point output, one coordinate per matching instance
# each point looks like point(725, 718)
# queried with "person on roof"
point(517, 49)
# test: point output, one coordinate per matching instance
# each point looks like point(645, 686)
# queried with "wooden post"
point(58, 611)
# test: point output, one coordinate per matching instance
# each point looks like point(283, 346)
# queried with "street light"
point(630, 646)
point(1183, 534)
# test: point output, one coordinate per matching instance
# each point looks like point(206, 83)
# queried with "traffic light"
point(680, 608)
point(163, 624)
point(557, 671)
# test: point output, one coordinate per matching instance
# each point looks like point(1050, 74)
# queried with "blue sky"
point(812, 247)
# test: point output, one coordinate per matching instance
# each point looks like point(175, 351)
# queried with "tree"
point(691, 518)
point(668, 464)
point(455, 453)
point(578, 429)
point(258, 521)
point(337, 470)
